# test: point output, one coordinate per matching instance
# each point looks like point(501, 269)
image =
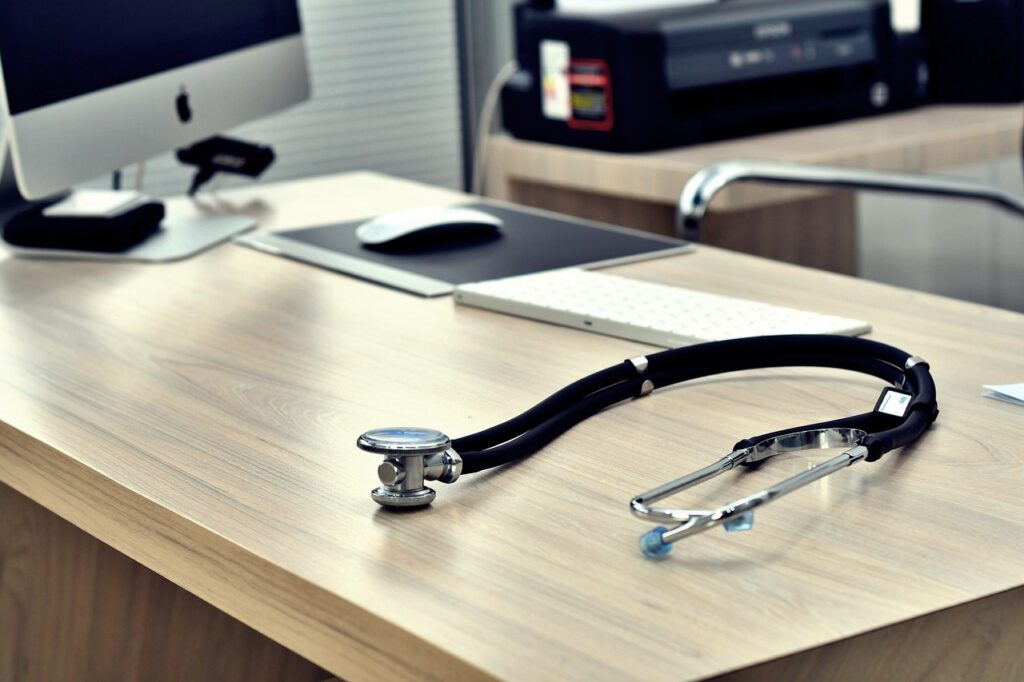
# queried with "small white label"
point(894, 403)
point(554, 68)
point(906, 15)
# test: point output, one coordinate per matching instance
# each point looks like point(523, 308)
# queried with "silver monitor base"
point(176, 239)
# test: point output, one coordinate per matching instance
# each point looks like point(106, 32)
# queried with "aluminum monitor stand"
point(178, 237)
point(10, 199)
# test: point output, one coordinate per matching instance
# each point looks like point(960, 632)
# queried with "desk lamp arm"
point(706, 183)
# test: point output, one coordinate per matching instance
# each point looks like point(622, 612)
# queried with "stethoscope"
point(903, 412)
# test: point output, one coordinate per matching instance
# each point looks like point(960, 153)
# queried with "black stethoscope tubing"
point(533, 429)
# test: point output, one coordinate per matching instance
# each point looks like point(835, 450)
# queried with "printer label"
point(590, 85)
point(554, 67)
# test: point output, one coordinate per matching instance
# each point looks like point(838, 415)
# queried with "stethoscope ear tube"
point(567, 414)
point(902, 415)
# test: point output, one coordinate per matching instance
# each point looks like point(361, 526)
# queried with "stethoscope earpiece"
point(739, 515)
point(412, 457)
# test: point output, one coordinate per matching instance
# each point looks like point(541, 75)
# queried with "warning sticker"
point(554, 67)
point(590, 83)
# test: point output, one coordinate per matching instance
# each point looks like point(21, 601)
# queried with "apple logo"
point(184, 109)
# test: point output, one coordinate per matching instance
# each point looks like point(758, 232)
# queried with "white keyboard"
point(656, 314)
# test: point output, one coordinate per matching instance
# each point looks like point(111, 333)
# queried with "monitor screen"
point(54, 50)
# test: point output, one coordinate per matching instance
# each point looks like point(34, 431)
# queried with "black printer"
point(640, 80)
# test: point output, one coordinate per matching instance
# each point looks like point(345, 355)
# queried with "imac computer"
point(91, 86)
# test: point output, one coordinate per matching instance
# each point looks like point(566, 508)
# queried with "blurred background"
point(399, 87)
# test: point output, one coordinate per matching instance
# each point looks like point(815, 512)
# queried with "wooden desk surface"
point(919, 140)
point(200, 417)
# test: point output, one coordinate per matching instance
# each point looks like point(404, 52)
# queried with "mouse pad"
point(529, 241)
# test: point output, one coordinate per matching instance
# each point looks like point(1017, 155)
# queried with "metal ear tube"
point(739, 515)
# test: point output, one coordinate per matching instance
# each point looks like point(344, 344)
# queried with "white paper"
point(1008, 393)
point(905, 14)
point(607, 6)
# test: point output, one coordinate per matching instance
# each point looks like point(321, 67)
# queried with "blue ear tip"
point(652, 545)
point(740, 523)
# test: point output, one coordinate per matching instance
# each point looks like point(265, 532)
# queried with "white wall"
point(958, 248)
point(385, 97)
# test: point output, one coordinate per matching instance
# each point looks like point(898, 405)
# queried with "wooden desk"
point(809, 227)
point(199, 419)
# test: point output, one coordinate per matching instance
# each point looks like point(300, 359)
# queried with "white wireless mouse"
point(428, 226)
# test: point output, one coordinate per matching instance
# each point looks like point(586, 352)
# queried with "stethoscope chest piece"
point(411, 457)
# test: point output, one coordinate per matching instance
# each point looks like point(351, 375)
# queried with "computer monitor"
point(90, 86)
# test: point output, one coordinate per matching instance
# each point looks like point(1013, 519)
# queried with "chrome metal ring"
point(816, 439)
point(914, 361)
point(640, 363)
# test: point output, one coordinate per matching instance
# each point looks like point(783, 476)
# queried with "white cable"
point(3, 149)
point(485, 122)
point(140, 175)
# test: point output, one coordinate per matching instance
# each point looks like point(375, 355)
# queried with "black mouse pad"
point(529, 241)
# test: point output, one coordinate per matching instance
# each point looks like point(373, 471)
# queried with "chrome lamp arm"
point(706, 183)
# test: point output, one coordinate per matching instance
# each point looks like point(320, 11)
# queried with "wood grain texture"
point(919, 140)
point(200, 417)
point(979, 640)
point(74, 609)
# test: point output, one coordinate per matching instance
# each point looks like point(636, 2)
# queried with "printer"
point(655, 78)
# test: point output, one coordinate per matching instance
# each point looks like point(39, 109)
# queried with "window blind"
point(385, 97)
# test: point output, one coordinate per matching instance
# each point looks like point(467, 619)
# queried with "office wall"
point(957, 248)
point(385, 82)
point(488, 44)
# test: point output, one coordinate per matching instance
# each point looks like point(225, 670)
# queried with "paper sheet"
point(604, 6)
point(1008, 393)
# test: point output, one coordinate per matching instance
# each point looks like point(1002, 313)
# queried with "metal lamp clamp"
point(411, 457)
